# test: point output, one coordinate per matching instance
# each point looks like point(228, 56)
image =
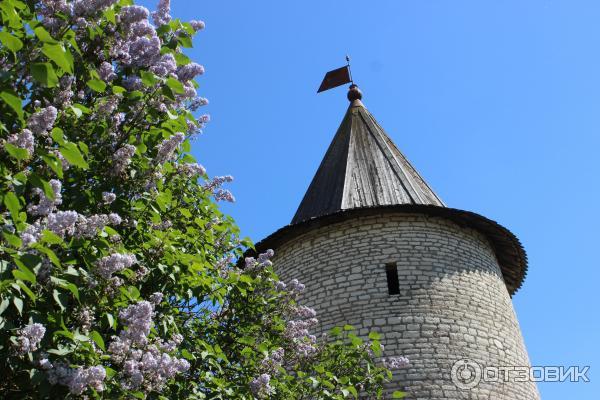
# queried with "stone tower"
point(379, 250)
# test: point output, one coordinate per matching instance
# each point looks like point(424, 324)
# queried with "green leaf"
point(348, 328)
point(13, 240)
point(18, 304)
point(148, 78)
point(57, 135)
point(54, 163)
point(97, 338)
point(398, 395)
point(78, 113)
point(71, 153)
point(44, 73)
point(374, 335)
point(175, 85)
point(17, 152)
point(118, 89)
point(73, 289)
point(44, 35)
point(38, 182)
point(97, 85)
point(11, 42)
point(13, 101)
point(27, 291)
point(11, 201)
point(4, 305)
point(60, 56)
point(24, 275)
point(110, 319)
point(50, 237)
point(60, 299)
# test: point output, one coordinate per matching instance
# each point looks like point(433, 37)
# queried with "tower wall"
point(453, 303)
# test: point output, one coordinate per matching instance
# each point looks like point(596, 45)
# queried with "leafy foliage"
point(116, 266)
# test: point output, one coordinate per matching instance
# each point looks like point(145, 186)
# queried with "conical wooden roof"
point(362, 168)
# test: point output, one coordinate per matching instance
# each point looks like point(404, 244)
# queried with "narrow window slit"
point(391, 271)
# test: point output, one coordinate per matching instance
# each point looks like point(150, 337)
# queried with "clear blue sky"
point(496, 103)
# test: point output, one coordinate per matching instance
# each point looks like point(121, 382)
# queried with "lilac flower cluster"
point(108, 265)
point(261, 386)
point(23, 140)
point(108, 197)
point(144, 363)
point(168, 146)
point(62, 223)
point(88, 227)
point(76, 379)
point(165, 66)
point(43, 120)
point(30, 337)
point(189, 71)
point(107, 72)
point(190, 169)
point(197, 25)
point(85, 318)
point(217, 181)
point(108, 106)
point(83, 8)
point(262, 262)
point(122, 158)
point(46, 205)
point(396, 362)
point(224, 195)
point(162, 15)
point(273, 361)
point(64, 96)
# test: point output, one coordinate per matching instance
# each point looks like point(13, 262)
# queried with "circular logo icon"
point(466, 374)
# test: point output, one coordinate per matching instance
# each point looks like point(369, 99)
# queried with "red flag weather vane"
point(337, 77)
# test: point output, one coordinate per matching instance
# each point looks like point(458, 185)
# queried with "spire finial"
point(354, 93)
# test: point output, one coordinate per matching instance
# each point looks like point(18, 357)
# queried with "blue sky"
point(496, 103)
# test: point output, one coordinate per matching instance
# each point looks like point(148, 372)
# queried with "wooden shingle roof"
point(363, 168)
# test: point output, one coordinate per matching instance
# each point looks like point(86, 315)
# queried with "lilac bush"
point(118, 272)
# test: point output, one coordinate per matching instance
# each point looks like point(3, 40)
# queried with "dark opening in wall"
point(391, 271)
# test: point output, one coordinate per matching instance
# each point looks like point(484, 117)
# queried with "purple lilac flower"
point(190, 169)
point(165, 66)
point(108, 105)
point(77, 379)
point(89, 226)
point(162, 15)
point(197, 25)
point(224, 195)
point(45, 205)
point(62, 222)
point(168, 147)
point(82, 8)
point(144, 51)
point(396, 362)
point(108, 197)
point(156, 298)
point(131, 14)
point(43, 120)
point(114, 263)
point(132, 83)
point(138, 319)
point(23, 140)
point(122, 158)
point(260, 386)
point(189, 71)
point(30, 337)
point(107, 72)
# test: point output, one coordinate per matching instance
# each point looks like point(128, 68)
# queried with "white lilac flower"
point(43, 120)
point(108, 197)
point(260, 386)
point(45, 205)
point(23, 140)
point(108, 265)
point(30, 337)
point(162, 14)
point(107, 71)
point(189, 71)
